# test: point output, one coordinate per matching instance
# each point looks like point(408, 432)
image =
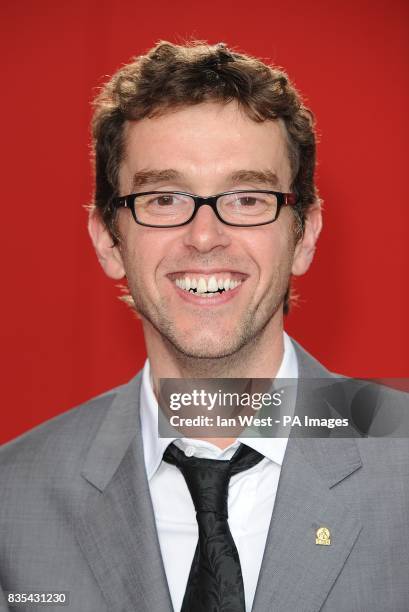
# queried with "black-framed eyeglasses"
point(241, 208)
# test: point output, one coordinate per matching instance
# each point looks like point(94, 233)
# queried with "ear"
point(305, 248)
point(108, 255)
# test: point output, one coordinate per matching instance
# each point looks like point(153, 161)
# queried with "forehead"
point(206, 142)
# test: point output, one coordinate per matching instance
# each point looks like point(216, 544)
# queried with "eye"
point(248, 200)
point(163, 200)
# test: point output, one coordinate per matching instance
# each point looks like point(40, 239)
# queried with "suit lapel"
point(297, 573)
point(117, 531)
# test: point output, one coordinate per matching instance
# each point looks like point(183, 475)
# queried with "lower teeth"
point(208, 294)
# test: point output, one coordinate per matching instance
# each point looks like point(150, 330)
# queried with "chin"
point(205, 348)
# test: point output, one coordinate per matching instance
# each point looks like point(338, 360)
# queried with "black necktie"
point(215, 581)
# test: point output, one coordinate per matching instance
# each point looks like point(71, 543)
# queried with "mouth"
point(208, 286)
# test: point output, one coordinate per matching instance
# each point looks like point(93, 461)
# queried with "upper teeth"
point(203, 285)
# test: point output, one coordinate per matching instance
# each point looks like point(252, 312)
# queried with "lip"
point(206, 273)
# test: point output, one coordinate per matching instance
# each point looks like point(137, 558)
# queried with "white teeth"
point(187, 283)
point(193, 283)
point(226, 284)
point(201, 285)
point(212, 285)
point(232, 284)
point(220, 283)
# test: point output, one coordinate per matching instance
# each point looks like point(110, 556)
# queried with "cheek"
point(273, 252)
point(143, 253)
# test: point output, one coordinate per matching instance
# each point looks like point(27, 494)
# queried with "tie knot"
point(208, 479)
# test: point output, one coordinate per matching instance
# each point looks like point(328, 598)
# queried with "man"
point(205, 202)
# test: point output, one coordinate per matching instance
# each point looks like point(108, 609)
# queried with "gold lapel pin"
point(323, 536)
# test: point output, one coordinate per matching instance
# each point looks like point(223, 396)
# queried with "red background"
point(64, 334)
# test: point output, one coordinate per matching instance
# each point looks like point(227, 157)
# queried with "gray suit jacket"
point(76, 515)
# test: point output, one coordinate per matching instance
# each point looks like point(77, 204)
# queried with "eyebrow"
point(147, 177)
point(255, 176)
point(142, 178)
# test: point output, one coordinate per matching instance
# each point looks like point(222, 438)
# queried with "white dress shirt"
point(250, 500)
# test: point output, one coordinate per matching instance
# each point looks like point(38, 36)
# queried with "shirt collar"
point(154, 446)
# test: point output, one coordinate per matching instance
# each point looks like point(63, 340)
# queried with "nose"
point(205, 232)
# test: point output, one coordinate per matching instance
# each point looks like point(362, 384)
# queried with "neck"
point(259, 359)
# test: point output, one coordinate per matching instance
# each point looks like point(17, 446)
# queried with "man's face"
point(204, 150)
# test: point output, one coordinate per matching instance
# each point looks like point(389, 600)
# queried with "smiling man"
point(205, 203)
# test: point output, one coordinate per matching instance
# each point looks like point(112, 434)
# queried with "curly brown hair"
point(171, 76)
